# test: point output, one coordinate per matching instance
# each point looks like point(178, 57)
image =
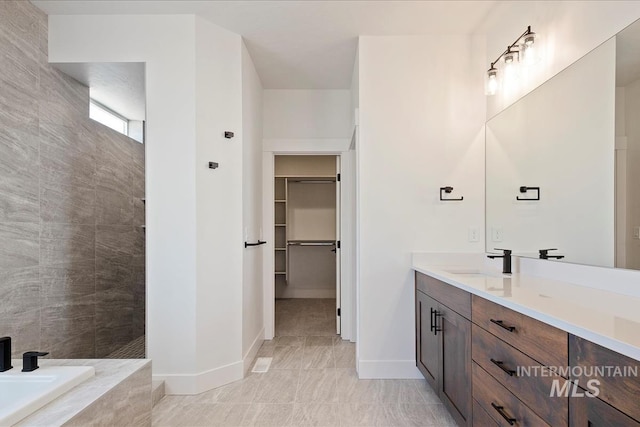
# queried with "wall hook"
point(448, 190)
point(524, 189)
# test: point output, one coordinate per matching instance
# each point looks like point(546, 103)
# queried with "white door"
point(338, 272)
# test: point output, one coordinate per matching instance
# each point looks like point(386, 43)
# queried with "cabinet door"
point(455, 354)
point(593, 412)
point(427, 342)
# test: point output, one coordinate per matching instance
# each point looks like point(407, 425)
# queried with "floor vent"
point(262, 365)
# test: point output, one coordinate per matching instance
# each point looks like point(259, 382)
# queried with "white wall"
point(194, 248)
point(219, 214)
point(294, 114)
point(630, 114)
point(421, 128)
point(559, 137)
point(252, 313)
point(568, 30)
point(167, 45)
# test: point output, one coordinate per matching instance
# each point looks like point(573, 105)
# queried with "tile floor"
point(133, 350)
point(311, 382)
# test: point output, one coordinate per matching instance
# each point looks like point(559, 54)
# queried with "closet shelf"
point(280, 201)
point(281, 225)
point(281, 249)
point(280, 273)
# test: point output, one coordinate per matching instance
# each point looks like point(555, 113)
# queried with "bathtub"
point(23, 393)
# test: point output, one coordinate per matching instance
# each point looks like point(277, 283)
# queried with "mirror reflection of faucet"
point(544, 254)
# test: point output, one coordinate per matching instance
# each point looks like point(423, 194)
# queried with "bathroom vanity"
point(496, 347)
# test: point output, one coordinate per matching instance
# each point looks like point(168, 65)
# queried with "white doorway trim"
point(315, 146)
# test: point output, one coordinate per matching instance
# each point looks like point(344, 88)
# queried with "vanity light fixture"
point(522, 50)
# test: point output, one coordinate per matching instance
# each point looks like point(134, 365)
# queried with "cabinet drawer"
point(592, 412)
point(501, 404)
point(619, 391)
point(481, 418)
point(454, 298)
point(501, 361)
point(544, 343)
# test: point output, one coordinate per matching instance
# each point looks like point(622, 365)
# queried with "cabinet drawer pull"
point(434, 321)
point(500, 410)
point(502, 325)
point(500, 365)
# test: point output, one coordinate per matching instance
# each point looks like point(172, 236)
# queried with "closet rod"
point(311, 181)
point(311, 243)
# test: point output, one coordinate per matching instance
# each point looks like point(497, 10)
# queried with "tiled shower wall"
point(71, 208)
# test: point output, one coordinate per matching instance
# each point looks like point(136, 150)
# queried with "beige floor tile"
point(266, 351)
point(202, 415)
point(290, 341)
point(408, 415)
point(318, 341)
point(426, 392)
point(442, 416)
point(286, 357)
point(353, 390)
point(317, 386)
point(261, 414)
point(319, 326)
point(360, 414)
point(278, 386)
point(242, 391)
point(345, 355)
point(318, 358)
point(315, 414)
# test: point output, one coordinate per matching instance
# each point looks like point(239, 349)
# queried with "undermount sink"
point(467, 271)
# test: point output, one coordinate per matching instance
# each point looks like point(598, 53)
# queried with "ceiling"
point(302, 44)
point(120, 86)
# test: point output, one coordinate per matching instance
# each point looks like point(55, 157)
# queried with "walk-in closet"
point(307, 207)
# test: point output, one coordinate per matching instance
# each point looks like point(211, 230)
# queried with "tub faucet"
point(506, 260)
point(5, 354)
point(544, 254)
point(30, 360)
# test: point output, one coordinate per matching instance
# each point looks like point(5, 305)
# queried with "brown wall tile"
point(69, 221)
point(18, 245)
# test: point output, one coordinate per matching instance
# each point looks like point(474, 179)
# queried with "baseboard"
point(203, 381)
point(388, 369)
point(253, 351)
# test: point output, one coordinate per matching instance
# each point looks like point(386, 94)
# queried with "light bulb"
point(510, 65)
point(491, 84)
point(530, 54)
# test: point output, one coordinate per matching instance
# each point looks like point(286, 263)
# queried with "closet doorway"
point(307, 245)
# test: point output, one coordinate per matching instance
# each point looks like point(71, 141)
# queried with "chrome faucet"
point(506, 260)
point(544, 254)
point(5, 354)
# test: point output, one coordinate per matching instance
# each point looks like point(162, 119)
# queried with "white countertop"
point(606, 318)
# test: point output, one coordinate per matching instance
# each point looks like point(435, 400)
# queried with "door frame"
point(347, 257)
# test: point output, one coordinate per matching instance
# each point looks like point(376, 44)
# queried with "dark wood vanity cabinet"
point(443, 343)
point(617, 402)
point(427, 343)
point(470, 349)
point(593, 412)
